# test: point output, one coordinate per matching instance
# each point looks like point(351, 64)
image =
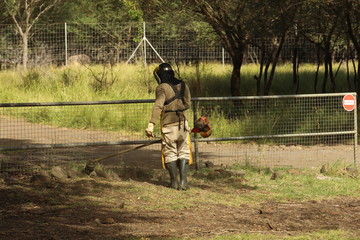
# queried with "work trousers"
point(175, 143)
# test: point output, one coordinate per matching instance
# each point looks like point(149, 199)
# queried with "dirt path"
point(18, 132)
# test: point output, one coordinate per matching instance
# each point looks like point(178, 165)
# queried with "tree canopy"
point(236, 24)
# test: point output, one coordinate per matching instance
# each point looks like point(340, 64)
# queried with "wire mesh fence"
point(62, 44)
point(297, 131)
point(47, 134)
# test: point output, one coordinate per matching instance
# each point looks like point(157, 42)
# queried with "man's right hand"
point(150, 130)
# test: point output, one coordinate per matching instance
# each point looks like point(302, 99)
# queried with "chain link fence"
point(62, 44)
point(293, 130)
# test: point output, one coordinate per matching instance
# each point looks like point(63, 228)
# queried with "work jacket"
point(173, 112)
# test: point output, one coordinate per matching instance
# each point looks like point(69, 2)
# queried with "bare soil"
point(37, 212)
point(28, 211)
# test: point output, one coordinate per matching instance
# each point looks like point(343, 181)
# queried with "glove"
point(150, 130)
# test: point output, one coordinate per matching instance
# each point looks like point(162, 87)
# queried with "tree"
point(269, 31)
point(237, 23)
point(4, 17)
point(106, 11)
point(111, 23)
point(322, 27)
point(25, 13)
point(228, 19)
point(352, 15)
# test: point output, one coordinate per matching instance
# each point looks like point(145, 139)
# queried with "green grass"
point(256, 186)
point(120, 82)
point(299, 184)
point(99, 82)
point(76, 84)
point(320, 235)
point(253, 189)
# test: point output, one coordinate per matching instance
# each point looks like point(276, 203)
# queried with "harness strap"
point(178, 95)
point(179, 113)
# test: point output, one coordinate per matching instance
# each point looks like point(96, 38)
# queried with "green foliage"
point(105, 11)
point(31, 79)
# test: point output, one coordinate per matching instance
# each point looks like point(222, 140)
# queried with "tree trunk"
point(266, 74)
point(355, 71)
point(358, 81)
point(258, 78)
point(296, 64)
point(318, 59)
point(274, 63)
point(326, 74)
point(331, 73)
point(237, 61)
point(25, 43)
point(327, 64)
point(235, 78)
point(348, 73)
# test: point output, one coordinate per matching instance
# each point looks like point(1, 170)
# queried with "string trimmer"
point(91, 164)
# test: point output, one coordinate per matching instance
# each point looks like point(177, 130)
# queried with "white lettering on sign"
point(349, 102)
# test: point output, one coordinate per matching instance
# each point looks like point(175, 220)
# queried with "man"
point(172, 100)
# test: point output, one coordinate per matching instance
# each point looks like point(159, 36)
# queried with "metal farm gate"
point(288, 130)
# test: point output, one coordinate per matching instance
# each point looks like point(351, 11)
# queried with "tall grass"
point(120, 82)
point(123, 81)
point(79, 83)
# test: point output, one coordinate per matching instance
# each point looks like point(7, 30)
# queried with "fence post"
point(66, 46)
point(196, 143)
point(144, 40)
point(223, 56)
point(144, 34)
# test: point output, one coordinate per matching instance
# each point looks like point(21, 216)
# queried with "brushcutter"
point(91, 164)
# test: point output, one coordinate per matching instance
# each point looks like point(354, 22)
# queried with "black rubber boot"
point(183, 165)
point(172, 168)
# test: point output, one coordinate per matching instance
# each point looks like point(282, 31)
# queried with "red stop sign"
point(349, 102)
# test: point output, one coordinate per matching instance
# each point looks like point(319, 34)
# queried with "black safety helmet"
point(164, 70)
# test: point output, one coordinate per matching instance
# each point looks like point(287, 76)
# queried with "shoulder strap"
point(178, 94)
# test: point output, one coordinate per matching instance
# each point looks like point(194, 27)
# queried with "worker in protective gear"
point(172, 100)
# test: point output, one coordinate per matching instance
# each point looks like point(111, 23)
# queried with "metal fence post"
point(144, 34)
point(66, 46)
point(196, 144)
point(223, 56)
